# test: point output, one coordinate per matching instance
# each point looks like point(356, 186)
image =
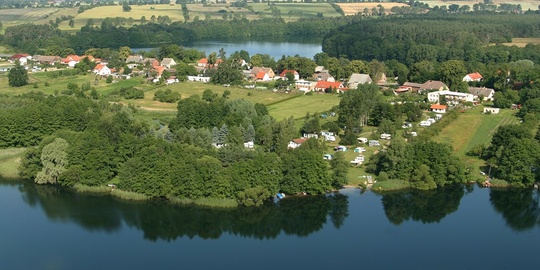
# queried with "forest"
point(435, 37)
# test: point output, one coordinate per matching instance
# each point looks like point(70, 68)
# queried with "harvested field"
point(355, 8)
point(522, 42)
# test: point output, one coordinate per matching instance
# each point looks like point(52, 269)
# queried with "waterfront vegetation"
point(186, 141)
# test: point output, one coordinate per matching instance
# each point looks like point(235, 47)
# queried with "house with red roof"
point(71, 60)
point(102, 69)
point(262, 77)
point(21, 57)
point(321, 86)
point(203, 62)
point(438, 108)
point(473, 77)
point(255, 71)
point(294, 72)
point(296, 143)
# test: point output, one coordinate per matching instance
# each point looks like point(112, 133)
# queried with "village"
point(162, 71)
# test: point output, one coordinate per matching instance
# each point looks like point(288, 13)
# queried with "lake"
point(45, 227)
point(275, 48)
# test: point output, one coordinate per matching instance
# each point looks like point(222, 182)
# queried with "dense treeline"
point(433, 37)
point(96, 142)
point(30, 38)
point(423, 164)
point(26, 120)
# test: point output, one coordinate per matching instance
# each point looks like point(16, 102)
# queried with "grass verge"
point(128, 195)
point(9, 162)
point(210, 202)
point(390, 185)
point(91, 189)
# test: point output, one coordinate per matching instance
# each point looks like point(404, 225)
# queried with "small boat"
point(280, 195)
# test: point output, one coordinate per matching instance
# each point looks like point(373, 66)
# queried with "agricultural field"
point(355, 8)
point(213, 11)
point(297, 10)
point(525, 4)
point(522, 42)
point(98, 13)
point(289, 11)
point(10, 17)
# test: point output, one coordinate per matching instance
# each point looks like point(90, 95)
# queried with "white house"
point(262, 77)
point(168, 62)
point(438, 108)
point(305, 86)
point(296, 143)
point(102, 69)
point(454, 97)
point(487, 93)
point(283, 74)
point(473, 77)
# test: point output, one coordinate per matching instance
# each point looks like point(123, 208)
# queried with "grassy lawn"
point(473, 128)
point(300, 105)
point(9, 161)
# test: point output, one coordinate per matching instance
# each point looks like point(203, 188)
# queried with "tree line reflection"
point(162, 220)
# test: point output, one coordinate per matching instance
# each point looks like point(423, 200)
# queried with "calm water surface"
point(275, 48)
point(452, 228)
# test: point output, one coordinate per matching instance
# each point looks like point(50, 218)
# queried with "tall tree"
point(18, 76)
point(54, 159)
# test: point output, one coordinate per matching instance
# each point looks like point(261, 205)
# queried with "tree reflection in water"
point(159, 219)
point(519, 207)
point(427, 206)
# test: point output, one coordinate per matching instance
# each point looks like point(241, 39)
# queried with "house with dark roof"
point(323, 76)
point(357, 78)
point(433, 85)
point(486, 93)
point(168, 62)
point(47, 59)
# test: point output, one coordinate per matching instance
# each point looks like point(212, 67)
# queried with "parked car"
point(425, 124)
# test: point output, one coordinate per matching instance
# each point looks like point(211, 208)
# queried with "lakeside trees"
point(177, 163)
